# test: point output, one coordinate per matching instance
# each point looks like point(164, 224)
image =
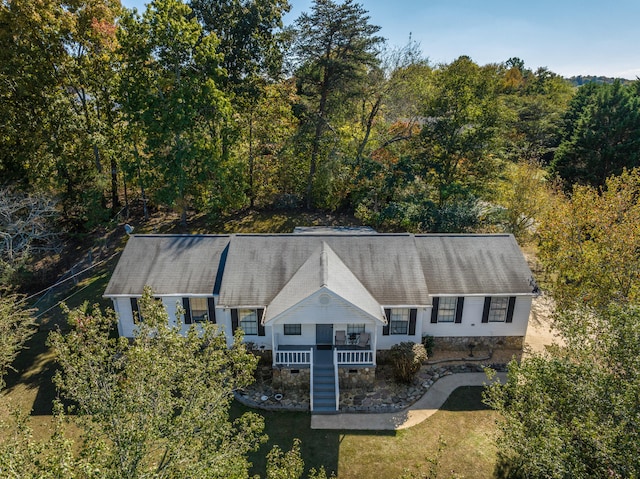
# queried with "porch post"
point(374, 343)
point(273, 347)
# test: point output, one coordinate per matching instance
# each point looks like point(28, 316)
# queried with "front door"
point(324, 334)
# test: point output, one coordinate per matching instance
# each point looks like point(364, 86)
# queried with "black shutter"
point(135, 310)
point(187, 310)
point(485, 312)
point(211, 306)
point(412, 321)
point(385, 328)
point(510, 308)
point(234, 320)
point(434, 310)
point(259, 313)
point(459, 306)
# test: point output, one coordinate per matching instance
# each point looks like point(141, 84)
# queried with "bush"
point(428, 342)
point(406, 360)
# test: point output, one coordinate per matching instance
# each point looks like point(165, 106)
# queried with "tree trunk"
point(320, 122)
point(115, 199)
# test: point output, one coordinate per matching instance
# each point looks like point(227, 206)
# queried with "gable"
point(323, 271)
point(326, 307)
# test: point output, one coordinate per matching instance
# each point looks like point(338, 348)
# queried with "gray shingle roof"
point(258, 266)
point(473, 264)
point(252, 269)
point(170, 264)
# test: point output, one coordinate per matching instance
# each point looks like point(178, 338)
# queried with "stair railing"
point(311, 380)
point(335, 376)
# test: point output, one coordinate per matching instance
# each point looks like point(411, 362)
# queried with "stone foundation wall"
point(284, 378)
point(452, 343)
point(357, 377)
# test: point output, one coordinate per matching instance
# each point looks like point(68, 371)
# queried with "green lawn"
point(463, 423)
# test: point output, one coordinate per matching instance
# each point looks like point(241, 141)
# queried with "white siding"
point(122, 307)
point(385, 342)
point(472, 324)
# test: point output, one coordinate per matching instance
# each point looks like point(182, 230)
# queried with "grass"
point(464, 424)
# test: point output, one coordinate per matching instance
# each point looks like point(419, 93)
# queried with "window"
point(199, 309)
point(355, 328)
point(498, 310)
point(447, 309)
point(135, 310)
point(293, 329)
point(249, 321)
point(399, 321)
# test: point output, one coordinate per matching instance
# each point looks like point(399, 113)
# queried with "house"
point(326, 303)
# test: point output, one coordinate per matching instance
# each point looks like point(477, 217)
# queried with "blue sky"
point(570, 37)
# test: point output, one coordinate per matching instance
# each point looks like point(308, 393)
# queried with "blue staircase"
point(324, 385)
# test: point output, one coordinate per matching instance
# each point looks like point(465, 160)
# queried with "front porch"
point(327, 366)
point(301, 356)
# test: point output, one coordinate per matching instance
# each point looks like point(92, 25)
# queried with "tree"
point(523, 196)
point(26, 226)
point(274, 171)
point(459, 125)
point(335, 46)
point(58, 127)
point(604, 139)
point(15, 329)
point(249, 38)
point(170, 95)
point(589, 243)
point(574, 411)
point(536, 102)
point(158, 407)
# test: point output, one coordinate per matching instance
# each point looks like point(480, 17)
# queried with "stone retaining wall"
point(284, 378)
point(452, 343)
point(357, 377)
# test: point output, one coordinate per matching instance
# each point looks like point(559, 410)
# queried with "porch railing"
point(292, 358)
point(354, 357)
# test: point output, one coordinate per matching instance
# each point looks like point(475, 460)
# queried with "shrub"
point(406, 359)
point(428, 342)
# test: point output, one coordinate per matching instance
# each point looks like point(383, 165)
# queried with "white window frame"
point(498, 309)
point(399, 321)
point(447, 306)
point(248, 321)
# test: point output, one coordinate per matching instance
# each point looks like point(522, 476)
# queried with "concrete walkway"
point(423, 408)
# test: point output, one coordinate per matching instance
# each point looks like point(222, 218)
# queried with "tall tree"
point(15, 329)
point(33, 113)
point(589, 243)
point(604, 139)
point(170, 91)
point(249, 36)
point(574, 411)
point(158, 407)
point(536, 102)
point(460, 120)
point(335, 48)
